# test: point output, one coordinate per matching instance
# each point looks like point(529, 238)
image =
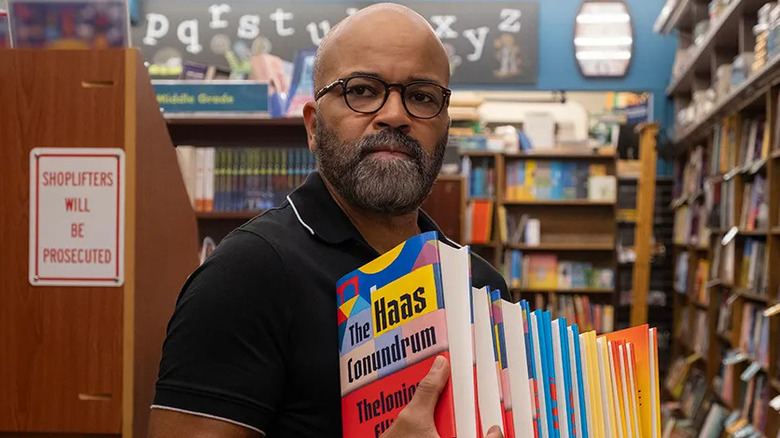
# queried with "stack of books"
point(509, 365)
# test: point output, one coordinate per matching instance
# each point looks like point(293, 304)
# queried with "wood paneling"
point(165, 245)
point(57, 342)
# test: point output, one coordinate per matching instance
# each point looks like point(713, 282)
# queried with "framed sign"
point(603, 38)
point(77, 216)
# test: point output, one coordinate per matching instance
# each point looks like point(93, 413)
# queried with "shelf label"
point(194, 96)
point(77, 217)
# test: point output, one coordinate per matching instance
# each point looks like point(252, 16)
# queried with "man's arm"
point(165, 423)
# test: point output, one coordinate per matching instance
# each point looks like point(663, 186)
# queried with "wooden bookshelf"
point(584, 290)
point(775, 384)
point(723, 134)
point(477, 153)
point(562, 154)
point(573, 246)
point(569, 203)
point(231, 120)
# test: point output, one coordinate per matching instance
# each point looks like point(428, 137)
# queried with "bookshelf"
point(81, 360)
point(727, 207)
point(576, 232)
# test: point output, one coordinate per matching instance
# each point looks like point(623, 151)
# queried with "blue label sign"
point(212, 96)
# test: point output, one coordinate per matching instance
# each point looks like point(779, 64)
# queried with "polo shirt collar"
point(321, 216)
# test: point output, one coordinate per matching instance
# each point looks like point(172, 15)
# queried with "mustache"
point(390, 138)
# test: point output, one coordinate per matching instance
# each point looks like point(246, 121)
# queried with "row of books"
point(546, 271)
point(754, 275)
point(755, 208)
point(511, 366)
point(578, 309)
point(754, 334)
point(242, 178)
point(744, 386)
point(528, 180)
point(689, 175)
point(690, 225)
point(480, 175)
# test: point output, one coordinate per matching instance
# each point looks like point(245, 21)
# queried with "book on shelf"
point(701, 334)
point(755, 209)
point(549, 272)
point(479, 221)
point(754, 334)
point(480, 174)
point(529, 180)
point(241, 178)
point(753, 273)
point(519, 368)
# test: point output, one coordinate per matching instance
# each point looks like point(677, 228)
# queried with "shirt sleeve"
point(225, 348)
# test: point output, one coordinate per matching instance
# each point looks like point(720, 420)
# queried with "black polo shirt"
point(253, 338)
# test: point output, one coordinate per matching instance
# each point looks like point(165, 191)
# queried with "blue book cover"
point(528, 332)
point(571, 424)
point(556, 180)
point(580, 382)
point(549, 374)
point(569, 178)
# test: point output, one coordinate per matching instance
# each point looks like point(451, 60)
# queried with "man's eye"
point(422, 97)
point(361, 90)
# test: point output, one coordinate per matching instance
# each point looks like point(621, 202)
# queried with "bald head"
point(392, 29)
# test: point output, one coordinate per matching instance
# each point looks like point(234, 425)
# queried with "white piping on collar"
point(212, 417)
point(299, 216)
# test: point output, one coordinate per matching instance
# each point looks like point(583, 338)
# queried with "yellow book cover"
point(589, 342)
point(543, 271)
point(527, 191)
point(607, 391)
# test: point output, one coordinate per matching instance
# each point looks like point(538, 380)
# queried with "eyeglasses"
point(367, 95)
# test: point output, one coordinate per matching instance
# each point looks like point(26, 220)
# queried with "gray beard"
point(388, 186)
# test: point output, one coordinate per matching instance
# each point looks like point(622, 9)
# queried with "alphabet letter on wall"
point(443, 25)
point(249, 26)
point(476, 37)
point(157, 26)
point(511, 20)
point(316, 39)
point(216, 12)
point(188, 35)
point(279, 16)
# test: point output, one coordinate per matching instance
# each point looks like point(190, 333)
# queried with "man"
point(252, 347)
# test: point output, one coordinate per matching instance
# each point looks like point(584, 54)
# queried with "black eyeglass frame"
point(446, 93)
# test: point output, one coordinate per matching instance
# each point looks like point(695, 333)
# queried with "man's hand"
point(416, 419)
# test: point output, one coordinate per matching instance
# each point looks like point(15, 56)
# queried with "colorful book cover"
point(51, 24)
point(607, 389)
point(488, 383)
point(523, 403)
point(543, 271)
point(639, 337)
point(533, 377)
point(554, 409)
point(619, 398)
point(546, 402)
point(579, 374)
point(559, 346)
point(391, 326)
point(499, 341)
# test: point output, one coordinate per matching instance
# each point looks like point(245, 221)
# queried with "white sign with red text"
point(77, 216)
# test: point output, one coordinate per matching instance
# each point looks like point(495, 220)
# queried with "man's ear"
point(310, 121)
